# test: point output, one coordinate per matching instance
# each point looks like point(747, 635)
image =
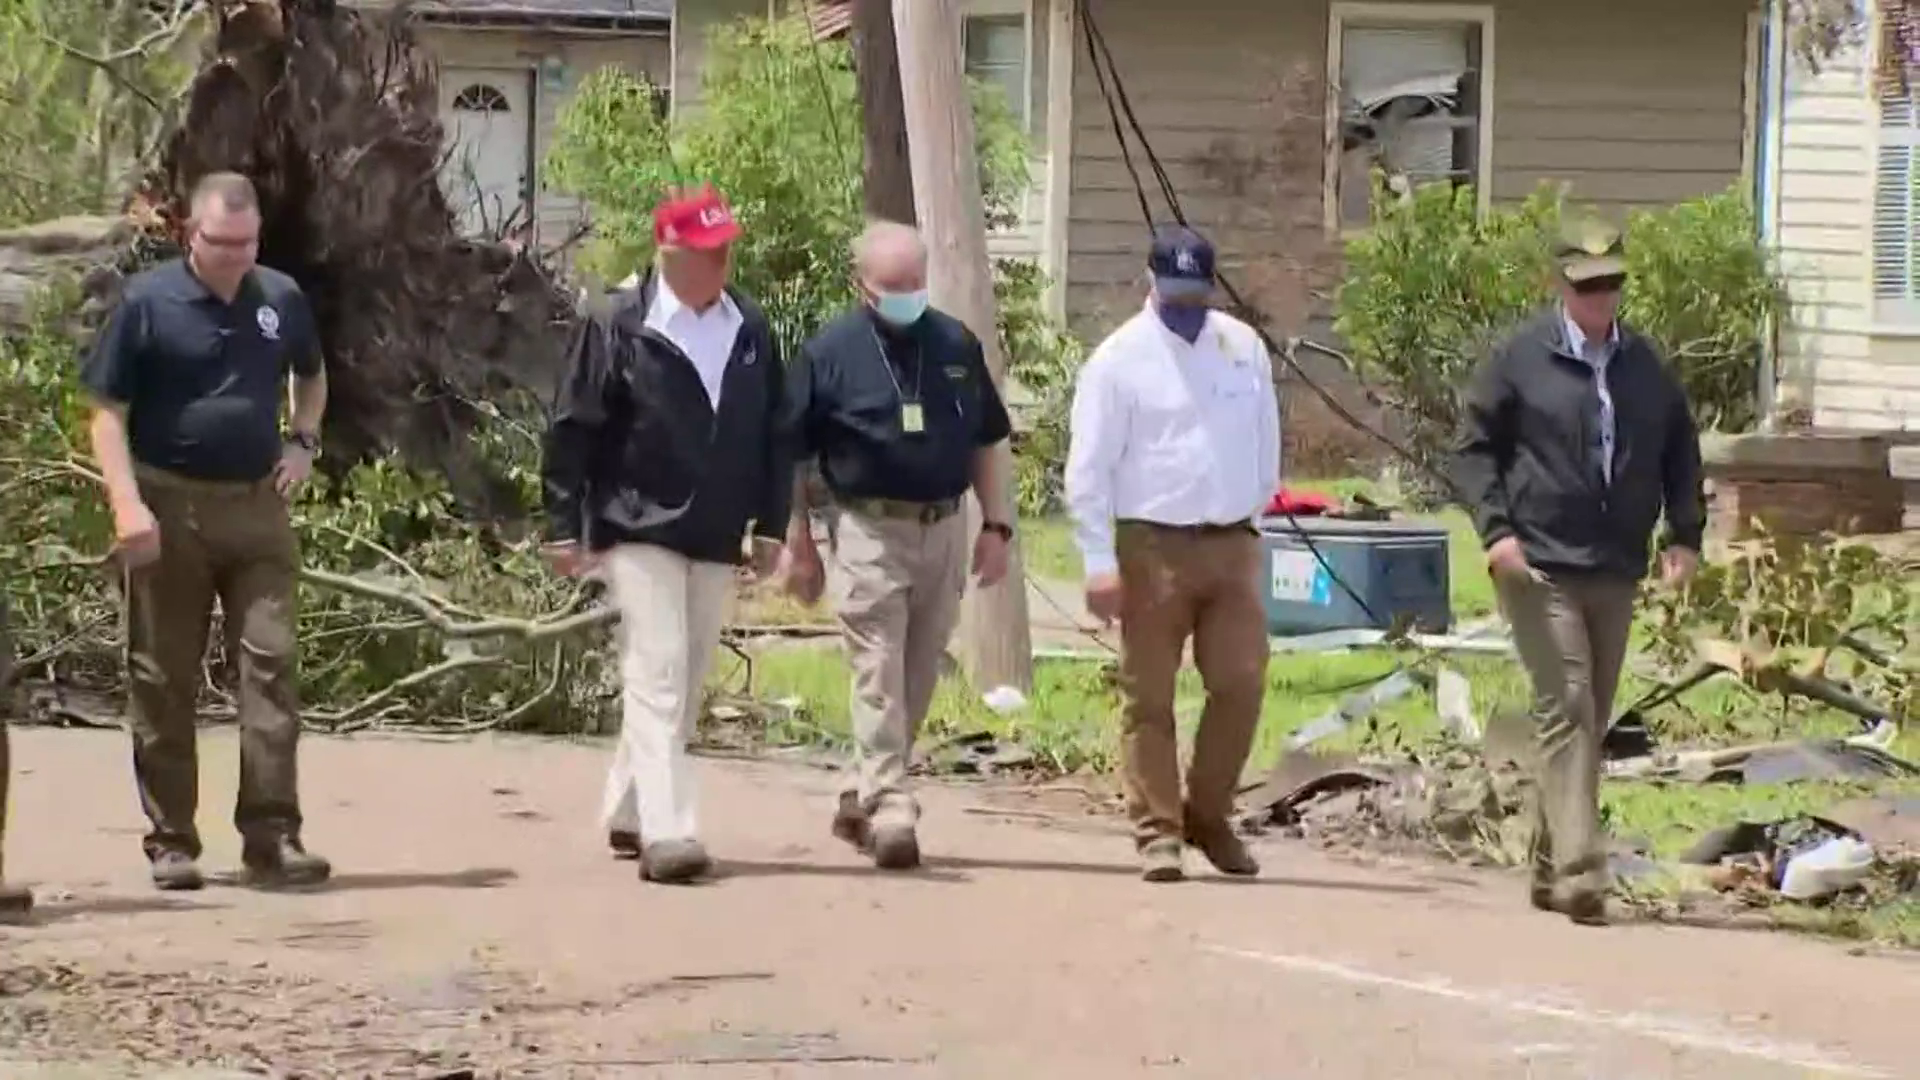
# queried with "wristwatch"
point(306, 440)
point(1005, 530)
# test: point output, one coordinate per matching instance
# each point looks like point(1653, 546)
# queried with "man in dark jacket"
point(664, 452)
point(1576, 438)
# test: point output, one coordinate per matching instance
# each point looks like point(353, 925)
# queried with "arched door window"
point(482, 98)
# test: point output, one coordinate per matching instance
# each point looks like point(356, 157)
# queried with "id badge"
point(912, 420)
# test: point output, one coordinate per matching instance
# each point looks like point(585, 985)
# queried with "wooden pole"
point(888, 176)
point(996, 642)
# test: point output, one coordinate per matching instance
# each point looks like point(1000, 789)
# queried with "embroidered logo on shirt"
point(750, 357)
point(269, 323)
point(957, 372)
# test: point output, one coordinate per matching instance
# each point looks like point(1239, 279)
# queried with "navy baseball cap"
point(1181, 262)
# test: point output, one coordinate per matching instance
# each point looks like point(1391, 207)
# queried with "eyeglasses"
point(1595, 286)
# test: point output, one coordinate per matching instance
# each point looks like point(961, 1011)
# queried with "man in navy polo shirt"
point(187, 379)
point(895, 402)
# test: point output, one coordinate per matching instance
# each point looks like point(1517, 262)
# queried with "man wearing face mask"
point(1575, 439)
point(186, 381)
point(1175, 450)
point(897, 405)
point(662, 458)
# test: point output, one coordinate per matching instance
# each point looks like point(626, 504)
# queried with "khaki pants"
point(898, 587)
point(672, 611)
point(1571, 633)
point(1181, 583)
point(232, 542)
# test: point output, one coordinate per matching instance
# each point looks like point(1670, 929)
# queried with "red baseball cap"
point(698, 220)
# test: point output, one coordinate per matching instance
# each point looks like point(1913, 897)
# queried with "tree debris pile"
point(334, 114)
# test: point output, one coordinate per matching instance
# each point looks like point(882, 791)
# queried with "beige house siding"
point(1582, 94)
point(1834, 360)
point(693, 22)
point(524, 49)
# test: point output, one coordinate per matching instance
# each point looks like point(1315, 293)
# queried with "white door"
point(485, 114)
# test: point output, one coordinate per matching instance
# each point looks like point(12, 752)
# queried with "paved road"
point(472, 879)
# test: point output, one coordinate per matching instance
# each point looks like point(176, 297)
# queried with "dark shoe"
point(625, 845)
point(283, 862)
point(1224, 849)
point(896, 847)
point(16, 904)
point(175, 871)
point(1540, 895)
point(1163, 860)
point(1583, 907)
point(674, 862)
point(851, 825)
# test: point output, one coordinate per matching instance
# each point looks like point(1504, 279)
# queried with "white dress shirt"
point(1171, 433)
point(707, 337)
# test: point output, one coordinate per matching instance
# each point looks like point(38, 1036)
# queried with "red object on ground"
point(1299, 503)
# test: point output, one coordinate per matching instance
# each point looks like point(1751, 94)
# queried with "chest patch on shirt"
point(957, 373)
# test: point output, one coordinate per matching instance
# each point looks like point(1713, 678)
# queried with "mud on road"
point(476, 923)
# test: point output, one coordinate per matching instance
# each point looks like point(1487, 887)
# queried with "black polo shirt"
point(846, 394)
point(203, 380)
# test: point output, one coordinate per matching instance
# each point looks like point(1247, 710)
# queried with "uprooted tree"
point(436, 347)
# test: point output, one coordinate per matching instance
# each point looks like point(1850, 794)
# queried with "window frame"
point(1364, 13)
point(1004, 9)
point(1896, 315)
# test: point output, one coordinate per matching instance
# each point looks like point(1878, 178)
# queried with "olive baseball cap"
point(1590, 250)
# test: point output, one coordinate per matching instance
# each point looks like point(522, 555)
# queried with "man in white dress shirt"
point(1175, 450)
point(664, 452)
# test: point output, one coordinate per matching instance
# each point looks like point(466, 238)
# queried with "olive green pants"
point(1571, 633)
point(234, 543)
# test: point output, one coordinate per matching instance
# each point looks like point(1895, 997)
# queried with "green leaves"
point(1818, 607)
point(1433, 283)
point(777, 130)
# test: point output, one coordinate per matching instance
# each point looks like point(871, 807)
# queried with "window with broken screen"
point(1409, 106)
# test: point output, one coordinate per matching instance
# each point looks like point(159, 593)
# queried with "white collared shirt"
point(707, 337)
point(1598, 355)
point(1169, 432)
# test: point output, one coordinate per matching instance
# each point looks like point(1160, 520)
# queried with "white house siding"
point(580, 53)
point(1834, 360)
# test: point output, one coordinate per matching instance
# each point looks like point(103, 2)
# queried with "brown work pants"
point(1571, 633)
point(231, 542)
point(1181, 583)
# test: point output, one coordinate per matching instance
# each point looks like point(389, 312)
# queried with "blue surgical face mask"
point(1186, 320)
point(902, 308)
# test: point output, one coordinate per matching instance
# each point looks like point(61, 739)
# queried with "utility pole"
point(888, 177)
point(996, 642)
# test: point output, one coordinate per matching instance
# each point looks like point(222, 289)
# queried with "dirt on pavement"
point(477, 923)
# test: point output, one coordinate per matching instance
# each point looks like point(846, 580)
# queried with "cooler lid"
point(1332, 528)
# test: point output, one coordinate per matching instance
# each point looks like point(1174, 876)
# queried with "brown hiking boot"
point(175, 871)
point(625, 844)
point(1223, 848)
point(1163, 860)
point(282, 862)
point(16, 904)
point(674, 862)
point(851, 825)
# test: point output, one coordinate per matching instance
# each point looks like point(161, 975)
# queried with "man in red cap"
point(663, 454)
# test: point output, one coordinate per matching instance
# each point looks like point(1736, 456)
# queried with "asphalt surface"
point(1020, 951)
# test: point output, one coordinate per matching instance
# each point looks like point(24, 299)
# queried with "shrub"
point(777, 131)
point(1433, 283)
